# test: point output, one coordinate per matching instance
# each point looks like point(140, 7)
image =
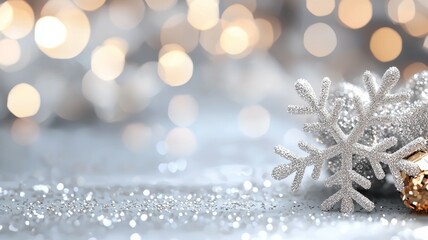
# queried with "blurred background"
point(154, 90)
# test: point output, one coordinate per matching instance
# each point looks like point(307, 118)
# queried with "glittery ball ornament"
point(415, 192)
point(411, 115)
point(418, 85)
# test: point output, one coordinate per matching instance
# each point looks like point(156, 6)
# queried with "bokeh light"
point(77, 28)
point(177, 30)
point(107, 62)
point(414, 68)
point(181, 142)
point(386, 44)
point(6, 15)
point(23, 100)
point(10, 52)
point(236, 12)
point(22, 20)
point(234, 40)
point(91, 5)
point(24, 131)
point(417, 26)
point(126, 14)
point(161, 5)
point(136, 136)
point(355, 14)
point(209, 39)
point(99, 92)
point(203, 14)
point(320, 39)
point(254, 121)
point(49, 32)
point(183, 110)
point(175, 68)
point(401, 11)
point(320, 7)
point(266, 33)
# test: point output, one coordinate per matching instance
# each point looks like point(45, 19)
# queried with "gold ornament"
point(415, 192)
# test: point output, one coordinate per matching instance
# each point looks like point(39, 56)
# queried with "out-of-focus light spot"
point(147, 79)
point(6, 15)
point(126, 14)
point(251, 5)
point(254, 121)
point(169, 48)
point(401, 11)
point(414, 68)
point(49, 32)
point(23, 100)
point(266, 33)
point(425, 45)
point(183, 110)
point(235, 12)
point(250, 27)
point(138, 85)
point(386, 44)
point(203, 14)
point(22, 20)
point(107, 62)
point(98, 91)
point(135, 236)
point(161, 5)
point(320, 39)
point(355, 14)
point(234, 40)
point(91, 5)
point(120, 43)
point(418, 26)
point(209, 39)
point(10, 52)
point(77, 28)
point(136, 136)
point(181, 142)
point(175, 68)
point(24, 131)
point(320, 7)
point(424, 3)
point(177, 30)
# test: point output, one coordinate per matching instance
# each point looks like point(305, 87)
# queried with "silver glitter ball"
point(418, 85)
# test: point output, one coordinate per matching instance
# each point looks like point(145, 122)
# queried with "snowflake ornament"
point(348, 145)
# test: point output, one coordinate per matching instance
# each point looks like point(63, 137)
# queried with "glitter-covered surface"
point(243, 211)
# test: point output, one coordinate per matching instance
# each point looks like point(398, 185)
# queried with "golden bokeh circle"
point(386, 44)
point(355, 14)
point(23, 100)
point(320, 39)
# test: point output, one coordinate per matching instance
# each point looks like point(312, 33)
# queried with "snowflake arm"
point(395, 161)
point(299, 165)
point(347, 145)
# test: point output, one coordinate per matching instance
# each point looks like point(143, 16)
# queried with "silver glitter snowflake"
point(347, 144)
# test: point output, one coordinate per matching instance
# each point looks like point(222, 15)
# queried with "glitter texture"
point(42, 211)
point(411, 115)
point(347, 144)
